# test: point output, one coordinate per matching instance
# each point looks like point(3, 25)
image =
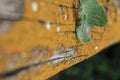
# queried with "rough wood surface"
point(43, 41)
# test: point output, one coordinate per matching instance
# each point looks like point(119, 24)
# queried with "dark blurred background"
point(103, 66)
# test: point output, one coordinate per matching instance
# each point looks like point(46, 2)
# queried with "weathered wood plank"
point(43, 41)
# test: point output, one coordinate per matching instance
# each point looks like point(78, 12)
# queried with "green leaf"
point(91, 14)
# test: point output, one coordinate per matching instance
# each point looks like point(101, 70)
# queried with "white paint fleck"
point(48, 25)
point(65, 17)
point(58, 27)
point(96, 47)
point(34, 6)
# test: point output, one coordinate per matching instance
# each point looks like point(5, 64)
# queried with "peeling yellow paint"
point(28, 42)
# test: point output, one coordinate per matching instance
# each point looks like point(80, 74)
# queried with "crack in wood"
point(24, 68)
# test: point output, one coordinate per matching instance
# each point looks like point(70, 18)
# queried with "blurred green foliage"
point(103, 66)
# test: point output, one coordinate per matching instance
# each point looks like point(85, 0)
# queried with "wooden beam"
point(43, 42)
